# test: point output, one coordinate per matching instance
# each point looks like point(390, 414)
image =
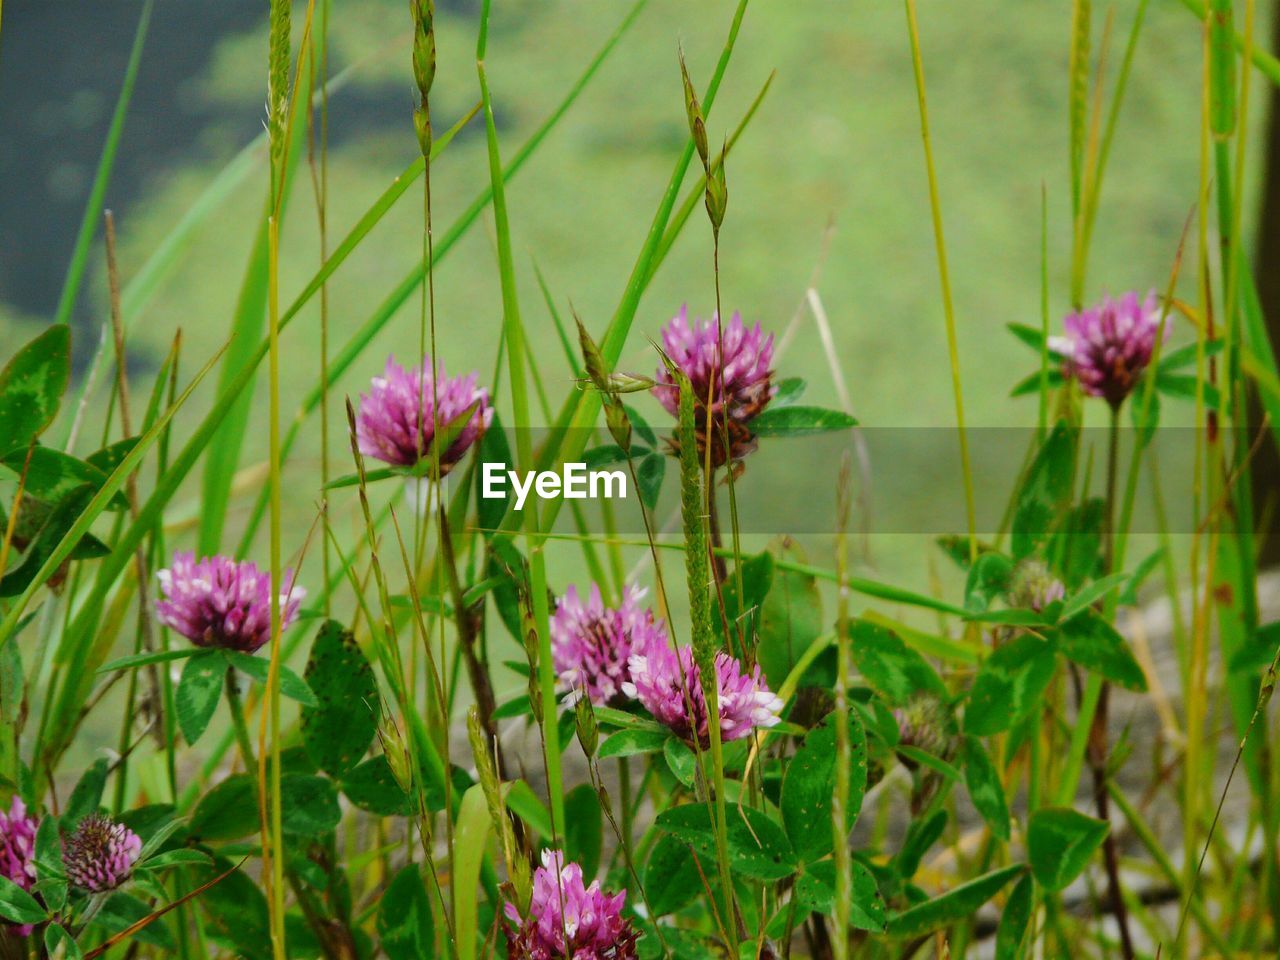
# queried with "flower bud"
point(588, 730)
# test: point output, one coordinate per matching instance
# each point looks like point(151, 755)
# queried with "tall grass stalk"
point(944, 278)
point(102, 175)
point(515, 342)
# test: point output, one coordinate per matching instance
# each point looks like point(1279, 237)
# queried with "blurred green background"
point(832, 161)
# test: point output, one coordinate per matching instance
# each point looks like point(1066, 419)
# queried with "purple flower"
point(397, 419)
point(591, 644)
point(660, 677)
point(1107, 347)
point(1035, 587)
point(738, 392)
point(17, 851)
point(568, 921)
point(220, 603)
point(100, 855)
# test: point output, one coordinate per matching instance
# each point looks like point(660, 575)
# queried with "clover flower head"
point(101, 853)
point(728, 364)
point(667, 683)
point(1035, 587)
point(398, 416)
point(925, 724)
point(17, 851)
point(591, 644)
point(218, 602)
point(1107, 347)
point(568, 920)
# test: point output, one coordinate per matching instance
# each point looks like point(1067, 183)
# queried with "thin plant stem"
point(944, 279)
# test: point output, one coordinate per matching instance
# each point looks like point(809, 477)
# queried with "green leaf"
point(1129, 595)
point(681, 760)
point(31, 386)
point(199, 690)
point(56, 938)
point(953, 906)
point(1009, 685)
point(809, 785)
point(291, 685)
point(745, 613)
point(112, 455)
point(87, 795)
point(310, 804)
point(1010, 618)
point(891, 667)
point(494, 448)
point(934, 762)
point(949, 649)
point(237, 910)
point(337, 733)
point(797, 421)
point(1260, 651)
point(790, 616)
point(671, 879)
point(142, 659)
point(371, 786)
point(86, 618)
point(13, 684)
point(1031, 384)
point(584, 829)
point(518, 706)
point(1045, 487)
point(1185, 386)
point(815, 893)
point(1060, 842)
point(1090, 595)
point(405, 923)
point(605, 455)
point(1093, 643)
point(757, 846)
point(1031, 336)
point(985, 790)
point(229, 811)
point(49, 850)
point(989, 579)
point(121, 911)
point(1076, 553)
point(628, 743)
point(178, 858)
point(57, 524)
point(1185, 356)
point(649, 474)
point(789, 390)
point(1015, 919)
point(18, 906)
point(51, 474)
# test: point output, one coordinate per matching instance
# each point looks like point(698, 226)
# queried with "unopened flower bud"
point(588, 730)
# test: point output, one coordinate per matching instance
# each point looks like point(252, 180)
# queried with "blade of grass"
point(581, 409)
point(515, 341)
point(247, 324)
point(114, 483)
point(1266, 62)
point(102, 177)
point(355, 346)
point(944, 279)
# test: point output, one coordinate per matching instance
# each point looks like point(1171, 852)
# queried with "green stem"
point(514, 333)
point(238, 724)
point(944, 279)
